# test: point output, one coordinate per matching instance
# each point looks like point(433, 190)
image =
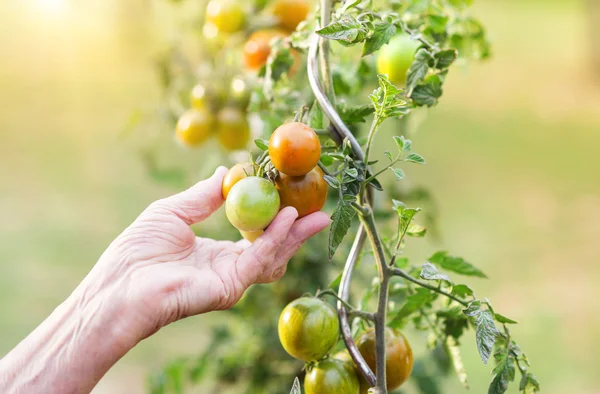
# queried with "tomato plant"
point(318, 80)
point(194, 127)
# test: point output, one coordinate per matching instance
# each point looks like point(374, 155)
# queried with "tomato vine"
point(339, 42)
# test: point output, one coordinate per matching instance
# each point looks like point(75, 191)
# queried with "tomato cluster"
point(294, 152)
point(214, 113)
point(309, 330)
point(223, 113)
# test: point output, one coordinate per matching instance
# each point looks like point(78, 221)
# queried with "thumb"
point(199, 201)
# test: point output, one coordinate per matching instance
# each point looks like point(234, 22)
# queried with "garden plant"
point(300, 93)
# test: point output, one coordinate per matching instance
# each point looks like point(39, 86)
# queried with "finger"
point(302, 230)
point(257, 260)
point(198, 202)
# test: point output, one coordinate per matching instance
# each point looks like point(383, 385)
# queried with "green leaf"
point(341, 221)
point(326, 160)
point(415, 158)
point(399, 143)
point(486, 331)
point(428, 92)
point(504, 319)
point(418, 69)
point(296, 387)
point(413, 303)
point(331, 181)
point(381, 35)
point(462, 291)
point(444, 59)
point(416, 230)
point(356, 114)
point(504, 373)
point(430, 272)
point(407, 144)
point(262, 144)
point(398, 173)
point(455, 264)
point(529, 384)
point(336, 282)
point(389, 155)
point(346, 29)
point(454, 320)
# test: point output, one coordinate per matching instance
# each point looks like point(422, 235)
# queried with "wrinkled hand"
point(164, 273)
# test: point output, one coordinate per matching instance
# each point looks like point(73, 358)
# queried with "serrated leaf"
point(381, 35)
point(296, 387)
point(314, 118)
point(529, 384)
point(504, 319)
point(427, 93)
point(445, 58)
point(455, 264)
point(341, 221)
point(398, 173)
point(430, 272)
point(262, 144)
point(356, 114)
point(462, 291)
point(413, 303)
point(346, 29)
point(418, 69)
point(485, 332)
point(415, 158)
point(331, 181)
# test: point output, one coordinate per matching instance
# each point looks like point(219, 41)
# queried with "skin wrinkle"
point(157, 271)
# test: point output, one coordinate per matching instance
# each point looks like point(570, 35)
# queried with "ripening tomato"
point(234, 175)
point(252, 235)
point(308, 328)
point(398, 356)
point(291, 12)
point(252, 204)
point(226, 15)
point(294, 149)
point(233, 128)
point(307, 193)
point(258, 47)
point(194, 127)
point(395, 58)
point(331, 376)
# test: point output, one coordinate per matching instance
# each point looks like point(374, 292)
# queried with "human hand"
point(160, 272)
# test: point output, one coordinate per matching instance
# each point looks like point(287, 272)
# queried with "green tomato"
point(308, 328)
point(395, 58)
point(332, 377)
point(252, 204)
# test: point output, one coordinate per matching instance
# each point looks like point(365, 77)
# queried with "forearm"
point(70, 351)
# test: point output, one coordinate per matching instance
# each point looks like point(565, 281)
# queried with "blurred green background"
point(513, 160)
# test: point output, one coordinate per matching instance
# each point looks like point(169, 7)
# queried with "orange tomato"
point(258, 47)
point(307, 193)
point(294, 149)
point(291, 12)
